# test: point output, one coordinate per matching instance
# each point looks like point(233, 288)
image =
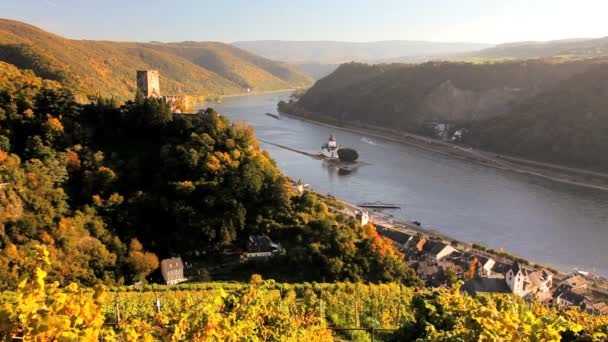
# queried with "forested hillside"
point(566, 124)
point(552, 110)
point(108, 68)
point(111, 189)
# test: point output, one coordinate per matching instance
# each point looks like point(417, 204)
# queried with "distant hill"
point(331, 52)
point(553, 109)
point(194, 68)
point(584, 47)
point(566, 124)
point(318, 70)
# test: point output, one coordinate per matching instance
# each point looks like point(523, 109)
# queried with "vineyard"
point(295, 310)
point(263, 310)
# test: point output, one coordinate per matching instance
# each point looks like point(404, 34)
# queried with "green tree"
point(347, 154)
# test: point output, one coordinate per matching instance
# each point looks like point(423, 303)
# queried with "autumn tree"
point(141, 263)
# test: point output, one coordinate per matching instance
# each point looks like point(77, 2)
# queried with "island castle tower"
point(330, 148)
point(148, 83)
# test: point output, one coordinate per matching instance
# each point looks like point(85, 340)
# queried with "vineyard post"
point(320, 308)
point(373, 334)
point(356, 314)
point(157, 304)
point(117, 308)
point(400, 302)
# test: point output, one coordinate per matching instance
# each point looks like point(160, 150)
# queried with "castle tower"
point(330, 148)
point(148, 83)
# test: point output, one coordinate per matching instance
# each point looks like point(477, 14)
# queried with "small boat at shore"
point(379, 205)
point(276, 116)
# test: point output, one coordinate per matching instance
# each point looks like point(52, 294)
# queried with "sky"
point(482, 21)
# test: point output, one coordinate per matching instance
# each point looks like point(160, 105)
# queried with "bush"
point(348, 154)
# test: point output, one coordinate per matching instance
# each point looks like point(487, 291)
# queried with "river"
point(560, 225)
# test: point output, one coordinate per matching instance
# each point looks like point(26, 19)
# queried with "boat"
point(276, 116)
point(368, 141)
point(378, 204)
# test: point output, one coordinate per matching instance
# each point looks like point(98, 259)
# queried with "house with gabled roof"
point(400, 239)
point(572, 297)
point(523, 281)
point(261, 246)
point(438, 249)
point(172, 271)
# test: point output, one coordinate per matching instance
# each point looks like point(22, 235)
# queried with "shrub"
point(348, 154)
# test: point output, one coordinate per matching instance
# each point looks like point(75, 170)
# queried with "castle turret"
point(148, 83)
point(330, 149)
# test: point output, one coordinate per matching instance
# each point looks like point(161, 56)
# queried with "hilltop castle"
point(148, 84)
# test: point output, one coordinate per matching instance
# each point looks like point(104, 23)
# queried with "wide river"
point(552, 223)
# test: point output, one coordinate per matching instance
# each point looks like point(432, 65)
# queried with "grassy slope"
point(109, 67)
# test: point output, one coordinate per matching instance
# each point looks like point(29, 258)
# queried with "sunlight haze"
point(357, 21)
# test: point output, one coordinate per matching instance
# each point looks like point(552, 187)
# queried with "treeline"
point(112, 189)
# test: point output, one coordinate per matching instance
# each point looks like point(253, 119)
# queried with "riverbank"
point(386, 223)
point(556, 173)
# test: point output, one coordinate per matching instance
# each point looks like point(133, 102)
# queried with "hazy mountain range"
point(320, 58)
point(340, 52)
point(108, 68)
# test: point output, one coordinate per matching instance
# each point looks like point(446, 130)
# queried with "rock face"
point(449, 103)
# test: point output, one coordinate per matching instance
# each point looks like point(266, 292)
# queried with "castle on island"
point(148, 84)
point(330, 148)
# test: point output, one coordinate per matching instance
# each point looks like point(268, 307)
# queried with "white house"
point(438, 249)
point(486, 264)
point(522, 281)
point(517, 279)
point(542, 280)
point(330, 148)
point(362, 216)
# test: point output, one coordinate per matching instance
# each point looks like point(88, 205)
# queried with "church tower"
point(148, 83)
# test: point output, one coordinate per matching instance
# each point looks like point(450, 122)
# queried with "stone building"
point(148, 83)
point(330, 148)
point(172, 271)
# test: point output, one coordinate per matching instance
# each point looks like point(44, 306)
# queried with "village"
point(442, 262)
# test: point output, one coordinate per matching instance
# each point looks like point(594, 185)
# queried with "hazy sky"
point(487, 21)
